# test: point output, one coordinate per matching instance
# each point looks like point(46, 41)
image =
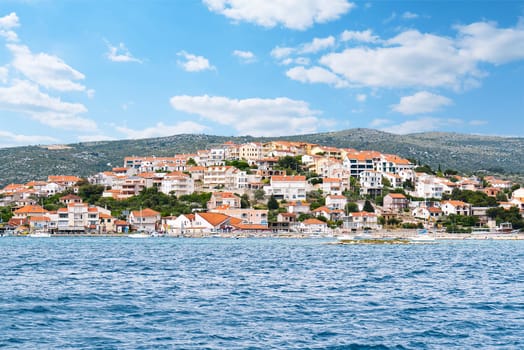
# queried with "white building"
point(370, 182)
point(336, 202)
point(456, 208)
point(428, 186)
point(178, 183)
point(287, 187)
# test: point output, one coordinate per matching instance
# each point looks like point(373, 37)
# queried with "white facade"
point(336, 202)
point(428, 186)
point(179, 183)
point(287, 187)
point(370, 182)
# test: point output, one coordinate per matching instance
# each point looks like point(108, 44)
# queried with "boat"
point(343, 238)
point(422, 236)
point(139, 234)
point(39, 234)
point(6, 233)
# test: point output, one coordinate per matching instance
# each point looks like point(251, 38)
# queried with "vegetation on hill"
point(466, 153)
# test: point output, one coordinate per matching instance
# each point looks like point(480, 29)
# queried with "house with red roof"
point(361, 220)
point(313, 226)
point(455, 207)
point(287, 187)
point(144, 219)
point(224, 200)
point(395, 202)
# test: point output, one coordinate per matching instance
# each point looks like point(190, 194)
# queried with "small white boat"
point(422, 237)
point(39, 234)
point(139, 235)
point(343, 238)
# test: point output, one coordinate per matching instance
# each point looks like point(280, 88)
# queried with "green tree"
point(368, 207)
point(351, 207)
point(272, 203)
point(90, 193)
point(244, 201)
point(239, 164)
point(501, 197)
point(290, 164)
point(191, 162)
point(6, 213)
point(259, 195)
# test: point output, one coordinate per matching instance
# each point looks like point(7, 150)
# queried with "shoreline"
point(380, 235)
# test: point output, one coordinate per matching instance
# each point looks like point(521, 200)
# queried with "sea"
point(215, 293)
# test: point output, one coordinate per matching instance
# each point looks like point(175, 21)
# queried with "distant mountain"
point(466, 153)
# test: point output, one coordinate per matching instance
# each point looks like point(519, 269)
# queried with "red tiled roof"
point(288, 178)
point(313, 222)
point(145, 213)
point(31, 209)
point(396, 195)
point(214, 219)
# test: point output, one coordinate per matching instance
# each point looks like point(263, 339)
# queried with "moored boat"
point(39, 234)
point(422, 236)
point(139, 235)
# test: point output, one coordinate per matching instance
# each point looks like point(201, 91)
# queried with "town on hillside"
point(277, 187)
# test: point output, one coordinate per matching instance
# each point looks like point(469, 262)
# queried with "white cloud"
point(365, 36)
point(421, 102)
point(90, 93)
point(7, 23)
point(245, 56)
point(477, 122)
point(120, 53)
point(303, 61)
point(375, 123)
point(46, 70)
point(483, 41)
point(409, 15)
point(160, 130)
point(194, 63)
point(253, 116)
point(422, 60)
point(4, 73)
point(26, 97)
point(314, 46)
point(361, 97)
point(292, 14)
point(420, 125)
point(409, 59)
point(9, 139)
point(315, 75)
point(282, 52)
point(318, 44)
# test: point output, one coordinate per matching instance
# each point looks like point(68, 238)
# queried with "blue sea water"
point(120, 293)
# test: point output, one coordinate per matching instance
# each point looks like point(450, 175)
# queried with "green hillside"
point(466, 153)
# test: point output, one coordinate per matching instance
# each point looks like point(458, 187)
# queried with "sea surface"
point(161, 293)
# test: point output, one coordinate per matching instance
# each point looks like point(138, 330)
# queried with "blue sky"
point(82, 70)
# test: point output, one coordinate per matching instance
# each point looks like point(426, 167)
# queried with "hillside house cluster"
point(336, 170)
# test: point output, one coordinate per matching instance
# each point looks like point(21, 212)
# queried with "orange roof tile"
point(63, 178)
point(313, 222)
point(362, 214)
point(288, 178)
point(145, 213)
point(214, 219)
point(39, 218)
point(396, 195)
point(30, 209)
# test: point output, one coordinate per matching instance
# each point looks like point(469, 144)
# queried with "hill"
point(466, 153)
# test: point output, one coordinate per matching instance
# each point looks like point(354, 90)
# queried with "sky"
point(81, 70)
